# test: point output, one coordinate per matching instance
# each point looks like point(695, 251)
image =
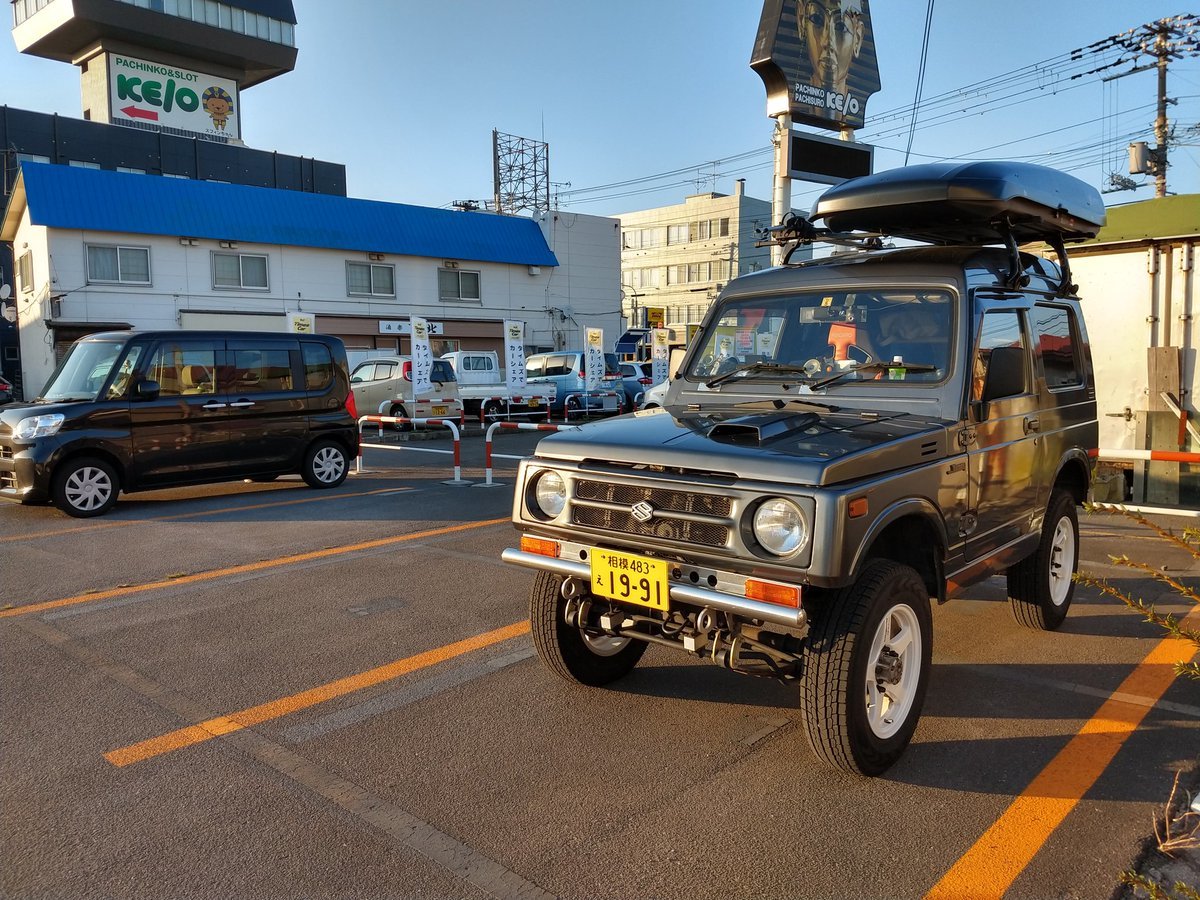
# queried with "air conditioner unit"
point(450, 264)
point(375, 257)
point(229, 245)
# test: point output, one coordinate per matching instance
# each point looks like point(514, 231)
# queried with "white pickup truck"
point(484, 391)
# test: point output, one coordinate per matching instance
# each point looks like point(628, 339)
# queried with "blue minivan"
point(566, 371)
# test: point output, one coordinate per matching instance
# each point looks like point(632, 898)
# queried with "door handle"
point(1032, 424)
point(213, 404)
point(241, 404)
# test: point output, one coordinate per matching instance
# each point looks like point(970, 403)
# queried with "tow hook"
point(889, 667)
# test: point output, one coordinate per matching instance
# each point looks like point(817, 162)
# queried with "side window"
point(1001, 366)
point(384, 371)
point(318, 366)
point(184, 369)
point(558, 365)
point(535, 367)
point(442, 371)
point(261, 371)
point(365, 372)
point(1055, 331)
point(125, 371)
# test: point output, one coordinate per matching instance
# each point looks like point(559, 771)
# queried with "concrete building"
point(98, 250)
point(677, 258)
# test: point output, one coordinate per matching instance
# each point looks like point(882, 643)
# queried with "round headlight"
point(779, 527)
point(550, 494)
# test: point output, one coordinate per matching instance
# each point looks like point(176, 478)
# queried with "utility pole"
point(1175, 37)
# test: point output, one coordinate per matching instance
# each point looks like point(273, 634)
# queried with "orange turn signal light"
point(858, 507)
point(771, 592)
point(540, 546)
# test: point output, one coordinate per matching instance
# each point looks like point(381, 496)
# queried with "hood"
point(796, 443)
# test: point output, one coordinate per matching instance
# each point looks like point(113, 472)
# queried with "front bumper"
point(689, 594)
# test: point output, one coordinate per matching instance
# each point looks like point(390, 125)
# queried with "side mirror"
point(146, 390)
point(1005, 374)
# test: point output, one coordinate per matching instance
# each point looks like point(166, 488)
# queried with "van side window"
point(559, 364)
point(183, 369)
point(318, 366)
point(1054, 327)
point(260, 371)
point(1001, 360)
point(535, 367)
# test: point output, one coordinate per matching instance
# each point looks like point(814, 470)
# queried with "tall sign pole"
point(817, 61)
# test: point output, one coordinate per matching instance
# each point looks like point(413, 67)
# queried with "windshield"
point(808, 337)
point(83, 371)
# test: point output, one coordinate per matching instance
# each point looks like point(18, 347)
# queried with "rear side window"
point(318, 366)
point(1054, 328)
point(261, 371)
point(560, 364)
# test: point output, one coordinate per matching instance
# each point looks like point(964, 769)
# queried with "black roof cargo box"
point(952, 203)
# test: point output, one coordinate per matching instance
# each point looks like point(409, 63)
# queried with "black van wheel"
point(85, 487)
point(1041, 586)
point(570, 652)
point(867, 669)
point(326, 465)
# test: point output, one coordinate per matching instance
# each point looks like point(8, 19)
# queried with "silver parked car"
point(849, 440)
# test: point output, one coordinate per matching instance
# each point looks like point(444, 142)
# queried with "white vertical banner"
point(422, 357)
point(660, 354)
point(514, 356)
point(594, 358)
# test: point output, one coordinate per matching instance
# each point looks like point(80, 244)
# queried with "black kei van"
point(132, 411)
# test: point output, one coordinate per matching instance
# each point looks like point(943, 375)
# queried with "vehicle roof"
point(968, 266)
point(209, 334)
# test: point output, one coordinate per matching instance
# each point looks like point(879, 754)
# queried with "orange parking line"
point(194, 515)
point(993, 863)
point(31, 608)
point(195, 734)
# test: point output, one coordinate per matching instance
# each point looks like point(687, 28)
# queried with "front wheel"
point(1041, 586)
point(85, 487)
point(867, 669)
point(326, 464)
point(582, 655)
point(493, 411)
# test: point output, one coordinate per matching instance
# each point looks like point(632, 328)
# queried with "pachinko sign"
point(155, 94)
point(817, 59)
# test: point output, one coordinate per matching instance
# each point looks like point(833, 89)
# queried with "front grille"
point(8, 481)
point(6, 452)
point(607, 506)
point(660, 498)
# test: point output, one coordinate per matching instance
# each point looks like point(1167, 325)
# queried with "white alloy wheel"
point(328, 464)
point(893, 671)
point(1062, 561)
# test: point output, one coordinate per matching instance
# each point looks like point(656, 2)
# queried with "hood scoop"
point(755, 430)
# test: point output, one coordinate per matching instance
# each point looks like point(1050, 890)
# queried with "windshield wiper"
point(758, 367)
point(70, 398)
point(872, 367)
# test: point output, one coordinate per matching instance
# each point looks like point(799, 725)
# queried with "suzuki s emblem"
point(643, 511)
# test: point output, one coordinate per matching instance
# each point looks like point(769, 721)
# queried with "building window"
point(83, 164)
point(457, 285)
point(129, 170)
point(677, 234)
point(243, 271)
point(25, 272)
point(32, 157)
point(642, 278)
point(118, 265)
point(370, 280)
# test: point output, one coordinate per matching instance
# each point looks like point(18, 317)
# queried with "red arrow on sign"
point(134, 113)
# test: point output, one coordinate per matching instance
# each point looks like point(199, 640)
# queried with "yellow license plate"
point(630, 579)
point(440, 410)
point(535, 403)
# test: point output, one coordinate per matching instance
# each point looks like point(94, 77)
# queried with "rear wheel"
point(867, 669)
point(85, 487)
point(326, 464)
point(582, 655)
point(493, 410)
point(1041, 586)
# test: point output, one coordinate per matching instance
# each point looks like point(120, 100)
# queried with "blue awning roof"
point(628, 342)
point(94, 200)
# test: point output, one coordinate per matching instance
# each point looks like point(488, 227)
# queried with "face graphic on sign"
point(218, 104)
point(832, 31)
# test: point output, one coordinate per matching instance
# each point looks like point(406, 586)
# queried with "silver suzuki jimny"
point(847, 440)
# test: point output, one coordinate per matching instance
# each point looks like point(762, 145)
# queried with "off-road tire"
point(834, 687)
point(564, 650)
point(1041, 586)
point(85, 487)
point(326, 464)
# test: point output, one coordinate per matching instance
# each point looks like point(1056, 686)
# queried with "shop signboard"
point(151, 93)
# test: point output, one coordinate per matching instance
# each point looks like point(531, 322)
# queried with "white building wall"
point(556, 303)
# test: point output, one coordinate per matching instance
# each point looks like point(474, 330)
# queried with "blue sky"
point(406, 93)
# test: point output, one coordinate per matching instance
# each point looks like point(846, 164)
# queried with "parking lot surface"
point(261, 690)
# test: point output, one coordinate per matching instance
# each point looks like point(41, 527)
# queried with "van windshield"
point(83, 371)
